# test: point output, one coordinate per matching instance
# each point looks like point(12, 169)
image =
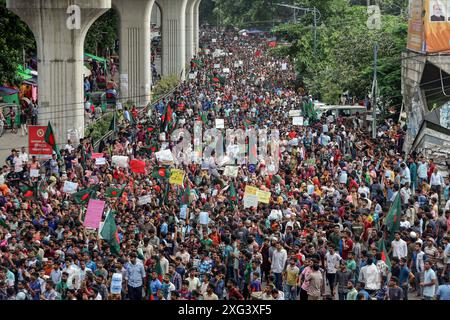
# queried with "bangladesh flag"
point(83, 196)
point(51, 140)
point(29, 192)
point(392, 221)
point(109, 233)
point(384, 255)
point(233, 194)
point(167, 118)
point(196, 63)
point(161, 173)
point(185, 198)
point(113, 124)
point(217, 80)
point(114, 192)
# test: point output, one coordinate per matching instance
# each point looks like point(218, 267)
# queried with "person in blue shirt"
point(443, 292)
point(404, 278)
point(361, 291)
point(155, 285)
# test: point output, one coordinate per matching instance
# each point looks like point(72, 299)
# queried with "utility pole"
point(375, 88)
point(315, 31)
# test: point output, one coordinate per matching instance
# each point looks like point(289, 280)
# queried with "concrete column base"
point(60, 59)
point(135, 54)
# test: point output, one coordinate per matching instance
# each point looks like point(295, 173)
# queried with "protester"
point(335, 213)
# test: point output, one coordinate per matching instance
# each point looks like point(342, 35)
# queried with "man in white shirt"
point(422, 171)
point(370, 275)
point(436, 182)
point(399, 248)
point(332, 260)
point(18, 164)
point(279, 257)
point(23, 155)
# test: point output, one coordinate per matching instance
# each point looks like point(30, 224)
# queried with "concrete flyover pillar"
point(135, 55)
point(173, 37)
point(197, 26)
point(190, 45)
point(60, 28)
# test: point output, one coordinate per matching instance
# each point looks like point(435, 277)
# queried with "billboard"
point(429, 26)
point(36, 142)
point(437, 25)
point(415, 27)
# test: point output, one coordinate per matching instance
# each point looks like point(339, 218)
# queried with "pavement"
point(11, 141)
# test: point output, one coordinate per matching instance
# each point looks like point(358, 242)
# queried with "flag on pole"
point(392, 221)
point(109, 233)
point(51, 140)
point(113, 124)
point(185, 198)
point(233, 195)
point(384, 254)
point(83, 196)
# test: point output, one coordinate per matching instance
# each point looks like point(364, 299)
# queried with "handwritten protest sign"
point(144, 200)
point(249, 190)
point(94, 214)
point(176, 177)
point(231, 171)
point(294, 113)
point(70, 187)
point(251, 201)
point(263, 196)
point(204, 217)
point(220, 124)
point(297, 121)
point(120, 161)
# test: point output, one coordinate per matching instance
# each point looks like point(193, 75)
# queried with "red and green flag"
point(217, 80)
point(196, 63)
point(51, 140)
point(83, 196)
point(233, 194)
point(110, 234)
point(384, 254)
point(185, 198)
point(29, 192)
point(167, 119)
point(112, 192)
point(392, 221)
point(161, 173)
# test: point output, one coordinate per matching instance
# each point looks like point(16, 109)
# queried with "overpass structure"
point(60, 28)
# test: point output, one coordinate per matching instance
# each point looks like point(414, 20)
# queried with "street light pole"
point(375, 88)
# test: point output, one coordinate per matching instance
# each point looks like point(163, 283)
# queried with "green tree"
point(15, 36)
point(103, 34)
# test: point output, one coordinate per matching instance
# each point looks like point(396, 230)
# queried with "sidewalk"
point(11, 141)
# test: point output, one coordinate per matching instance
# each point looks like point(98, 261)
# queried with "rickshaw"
point(5, 107)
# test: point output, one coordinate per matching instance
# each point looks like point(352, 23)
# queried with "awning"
point(99, 59)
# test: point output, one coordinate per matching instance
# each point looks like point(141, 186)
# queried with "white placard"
point(192, 76)
point(162, 136)
point(164, 156)
point(100, 161)
point(220, 123)
point(231, 171)
point(284, 66)
point(294, 113)
point(70, 187)
point(216, 66)
point(34, 173)
point(236, 64)
point(297, 121)
point(226, 70)
point(214, 40)
point(204, 218)
point(144, 200)
point(250, 201)
point(116, 283)
point(235, 38)
point(120, 161)
point(241, 63)
point(183, 212)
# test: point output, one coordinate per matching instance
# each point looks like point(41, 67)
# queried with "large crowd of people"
point(324, 234)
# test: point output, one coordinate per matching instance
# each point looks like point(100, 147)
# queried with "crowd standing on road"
point(323, 235)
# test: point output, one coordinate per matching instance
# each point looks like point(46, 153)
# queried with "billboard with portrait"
point(437, 25)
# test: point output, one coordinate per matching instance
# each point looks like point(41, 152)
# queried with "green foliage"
point(97, 130)
point(103, 34)
point(344, 57)
point(14, 37)
point(164, 86)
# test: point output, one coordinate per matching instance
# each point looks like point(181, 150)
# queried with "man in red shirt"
point(233, 292)
point(347, 244)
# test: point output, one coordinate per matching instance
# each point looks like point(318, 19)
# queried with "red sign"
point(36, 142)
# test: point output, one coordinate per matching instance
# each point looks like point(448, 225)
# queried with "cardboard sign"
point(192, 76)
point(100, 161)
point(231, 171)
point(183, 212)
point(213, 40)
point(251, 201)
point(216, 66)
point(120, 161)
point(94, 214)
point(176, 177)
point(284, 66)
point(297, 121)
point(144, 200)
point(164, 156)
point(204, 218)
point(34, 173)
point(97, 155)
point(294, 113)
point(263, 196)
point(220, 123)
point(249, 190)
point(226, 70)
point(70, 187)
